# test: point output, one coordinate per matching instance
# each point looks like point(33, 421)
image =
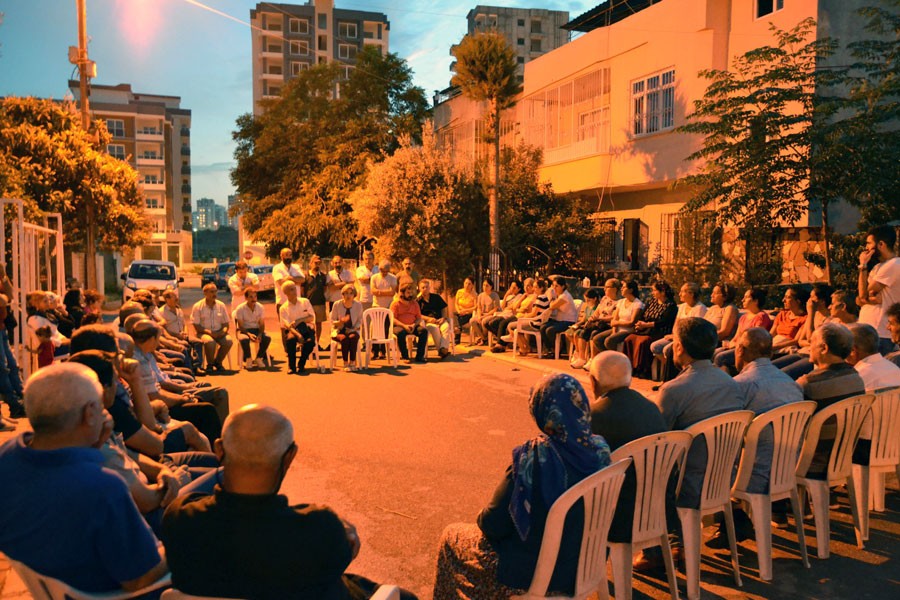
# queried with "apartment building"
point(153, 133)
point(210, 215)
point(290, 38)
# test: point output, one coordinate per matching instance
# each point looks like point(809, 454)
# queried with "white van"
point(144, 274)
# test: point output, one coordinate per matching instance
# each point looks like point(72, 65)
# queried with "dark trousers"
point(551, 329)
point(349, 343)
point(264, 341)
point(306, 348)
point(203, 415)
point(421, 335)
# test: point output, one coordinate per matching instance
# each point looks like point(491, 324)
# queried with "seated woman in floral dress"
point(656, 323)
point(497, 557)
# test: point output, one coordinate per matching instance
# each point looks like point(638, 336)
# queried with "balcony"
point(148, 134)
point(185, 169)
point(185, 188)
point(156, 186)
point(186, 207)
point(149, 160)
point(274, 74)
point(272, 52)
point(156, 210)
point(185, 150)
point(185, 132)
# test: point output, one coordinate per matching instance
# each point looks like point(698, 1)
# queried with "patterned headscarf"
point(561, 411)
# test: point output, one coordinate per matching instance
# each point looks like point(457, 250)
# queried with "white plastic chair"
point(600, 493)
point(849, 415)
point(883, 458)
point(43, 587)
point(654, 458)
point(535, 334)
point(373, 332)
point(334, 348)
point(788, 425)
point(384, 592)
point(723, 435)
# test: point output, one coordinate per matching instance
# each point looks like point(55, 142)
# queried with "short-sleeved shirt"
point(251, 318)
point(124, 419)
point(173, 320)
point(626, 311)
point(67, 517)
point(314, 288)
point(697, 310)
point(787, 324)
point(281, 273)
point(237, 285)
point(887, 274)
point(213, 317)
point(364, 288)
point(151, 374)
point(406, 312)
point(384, 282)
point(487, 302)
point(465, 300)
point(289, 313)
point(345, 277)
point(829, 385)
point(567, 312)
point(433, 307)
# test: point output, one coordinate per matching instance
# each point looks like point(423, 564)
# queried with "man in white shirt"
point(335, 281)
point(297, 320)
point(879, 285)
point(250, 320)
point(240, 281)
point(211, 322)
point(283, 272)
point(384, 285)
point(364, 274)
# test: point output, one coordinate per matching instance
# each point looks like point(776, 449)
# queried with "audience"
point(754, 316)
point(530, 317)
point(601, 318)
point(517, 302)
point(627, 312)
point(282, 273)
point(211, 323)
point(464, 305)
point(10, 381)
point(563, 315)
point(655, 323)
point(364, 274)
point(250, 323)
point(893, 326)
point(487, 303)
point(314, 290)
point(335, 281)
point(297, 318)
point(242, 280)
point(723, 313)
point(690, 306)
point(796, 363)
point(789, 322)
point(578, 351)
point(434, 316)
point(408, 322)
point(497, 557)
point(346, 320)
point(879, 281)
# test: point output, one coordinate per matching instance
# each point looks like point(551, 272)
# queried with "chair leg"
point(670, 565)
point(620, 556)
point(761, 515)
point(732, 541)
point(876, 491)
point(854, 493)
point(818, 495)
point(798, 498)
point(690, 533)
point(860, 475)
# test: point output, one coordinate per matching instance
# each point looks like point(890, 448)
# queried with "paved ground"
point(403, 453)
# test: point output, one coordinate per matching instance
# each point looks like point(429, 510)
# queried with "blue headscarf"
point(561, 411)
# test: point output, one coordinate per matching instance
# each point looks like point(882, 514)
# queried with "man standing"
point(297, 319)
point(893, 325)
point(61, 513)
point(434, 314)
point(335, 281)
point(282, 273)
point(314, 291)
point(879, 284)
point(211, 322)
point(384, 287)
point(250, 320)
point(408, 321)
point(406, 274)
point(239, 282)
point(364, 274)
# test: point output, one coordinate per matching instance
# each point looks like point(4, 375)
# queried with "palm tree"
point(485, 69)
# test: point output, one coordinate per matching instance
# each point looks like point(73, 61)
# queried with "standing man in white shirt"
point(364, 274)
point(335, 281)
point(250, 321)
point(239, 282)
point(879, 284)
point(282, 273)
point(384, 287)
point(211, 322)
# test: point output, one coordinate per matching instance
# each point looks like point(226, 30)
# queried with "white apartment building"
point(289, 38)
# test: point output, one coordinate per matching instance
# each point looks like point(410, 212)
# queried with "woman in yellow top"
point(464, 305)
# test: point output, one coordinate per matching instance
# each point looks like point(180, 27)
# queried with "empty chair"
point(788, 424)
point(723, 434)
point(654, 457)
point(42, 587)
point(377, 329)
point(848, 415)
point(884, 456)
point(600, 493)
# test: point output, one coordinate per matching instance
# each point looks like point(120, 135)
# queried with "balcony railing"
point(185, 169)
point(185, 188)
point(185, 132)
point(185, 151)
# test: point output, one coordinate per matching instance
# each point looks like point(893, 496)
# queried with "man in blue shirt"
point(61, 513)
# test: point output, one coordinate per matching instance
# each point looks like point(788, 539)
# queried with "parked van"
point(144, 274)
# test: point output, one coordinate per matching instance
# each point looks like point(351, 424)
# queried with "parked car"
point(207, 275)
point(224, 271)
point(143, 274)
point(266, 281)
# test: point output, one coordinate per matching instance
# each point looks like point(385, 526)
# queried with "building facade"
point(289, 38)
point(153, 133)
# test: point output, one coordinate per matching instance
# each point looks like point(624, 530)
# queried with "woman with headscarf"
point(497, 557)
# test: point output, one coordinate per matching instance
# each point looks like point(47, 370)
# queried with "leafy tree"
point(49, 161)
point(418, 203)
point(485, 70)
point(299, 161)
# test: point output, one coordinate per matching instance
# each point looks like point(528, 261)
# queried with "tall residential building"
point(210, 216)
point(153, 133)
point(233, 222)
point(289, 38)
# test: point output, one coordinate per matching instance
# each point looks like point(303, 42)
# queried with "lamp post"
point(86, 69)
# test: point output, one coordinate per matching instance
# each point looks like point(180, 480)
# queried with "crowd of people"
point(129, 445)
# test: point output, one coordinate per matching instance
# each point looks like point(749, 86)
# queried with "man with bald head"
point(246, 541)
point(61, 513)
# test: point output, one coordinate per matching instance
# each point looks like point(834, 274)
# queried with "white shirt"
point(888, 275)
point(237, 285)
point(384, 282)
point(877, 372)
point(213, 317)
point(173, 320)
point(567, 312)
point(697, 310)
point(334, 294)
point(625, 311)
point(364, 288)
point(290, 313)
point(250, 319)
point(280, 274)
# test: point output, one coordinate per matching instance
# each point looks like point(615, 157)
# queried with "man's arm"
point(150, 576)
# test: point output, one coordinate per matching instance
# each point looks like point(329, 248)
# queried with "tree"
point(416, 202)
point(299, 161)
point(763, 127)
point(49, 161)
point(485, 70)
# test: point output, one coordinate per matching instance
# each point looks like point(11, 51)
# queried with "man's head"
point(287, 255)
point(754, 343)
point(256, 449)
point(882, 240)
point(129, 323)
point(250, 296)
point(408, 291)
point(369, 259)
point(171, 298)
point(831, 343)
point(893, 322)
point(385, 267)
point(128, 309)
point(145, 334)
point(210, 291)
point(64, 401)
point(94, 337)
point(695, 339)
point(315, 262)
point(425, 287)
point(241, 269)
point(609, 371)
point(290, 290)
point(865, 342)
point(337, 263)
point(104, 367)
point(407, 264)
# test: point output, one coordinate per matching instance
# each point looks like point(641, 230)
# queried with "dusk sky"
point(179, 48)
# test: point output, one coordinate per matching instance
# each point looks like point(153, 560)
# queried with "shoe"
point(578, 363)
point(346, 369)
point(506, 338)
point(498, 348)
point(779, 520)
point(719, 540)
point(443, 353)
point(292, 371)
point(655, 388)
point(249, 364)
point(420, 361)
point(260, 363)
point(219, 368)
point(323, 349)
point(652, 560)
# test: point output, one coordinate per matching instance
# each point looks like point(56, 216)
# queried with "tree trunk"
point(826, 245)
point(493, 201)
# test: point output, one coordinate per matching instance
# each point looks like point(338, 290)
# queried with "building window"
point(274, 91)
point(689, 238)
point(275, 49)
point(323, 21)
point(653, 103)
point(520, 41)
point(299, 26)
point(767, 7)
point(153, 203)
point(347, 51)
point(152, 179)
point(521, 22)
point(323, 43)
point(520, 60)
point(536, 45)
point(116, 151)
point(300, 48)
point(535, 26)
point(116, 127)
point(347, 30)
point(296, 67)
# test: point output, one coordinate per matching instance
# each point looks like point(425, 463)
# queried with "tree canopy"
point(50, 162)
point(298, 162)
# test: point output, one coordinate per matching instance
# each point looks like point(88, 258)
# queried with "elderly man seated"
point(298, 319)
point(250, 320)
point(211, 322)
point(434, 314)
point(61, 513)
point(246, 541)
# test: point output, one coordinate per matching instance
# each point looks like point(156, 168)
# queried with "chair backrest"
point(654, 458)
point(723, 434)
point(885, 428)
point(600, 493)
point(373, 323)
point(788, 426)
point(43, 587)
point(849, 415)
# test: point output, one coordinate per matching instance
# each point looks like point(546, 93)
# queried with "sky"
point(177, 48)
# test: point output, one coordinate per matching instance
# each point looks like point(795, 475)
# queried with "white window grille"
point(653, 103)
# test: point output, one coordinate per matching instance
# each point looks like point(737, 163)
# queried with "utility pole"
point(86, 69)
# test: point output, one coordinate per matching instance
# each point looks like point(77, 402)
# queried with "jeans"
point(551, 329)
point(421, 335)
point(10, 382)
point(264, 341)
